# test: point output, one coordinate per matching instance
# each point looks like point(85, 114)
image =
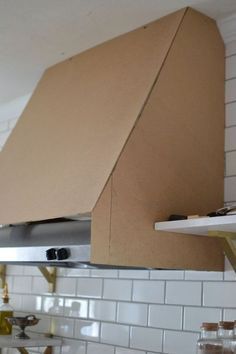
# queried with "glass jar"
point(226, 333)
point(209, 343)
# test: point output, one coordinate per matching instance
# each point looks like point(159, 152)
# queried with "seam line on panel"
point(156, 78)
point(109, 246)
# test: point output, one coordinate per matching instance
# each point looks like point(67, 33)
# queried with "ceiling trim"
point(227, 28)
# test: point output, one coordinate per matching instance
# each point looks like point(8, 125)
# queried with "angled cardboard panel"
point(68, 139)
point(174, 160)
point(100, 226)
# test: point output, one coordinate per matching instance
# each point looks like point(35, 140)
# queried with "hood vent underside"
point(59, 242)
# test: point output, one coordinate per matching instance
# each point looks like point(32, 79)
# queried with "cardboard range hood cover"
point(65, 145)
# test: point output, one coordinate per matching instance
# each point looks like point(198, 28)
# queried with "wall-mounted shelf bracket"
point(228, 245)
point(48, 350)
point(50, 276)
point(3, 274)
point(223, 227)
point(22, 350)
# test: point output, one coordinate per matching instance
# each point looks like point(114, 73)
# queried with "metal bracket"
point(3, 274)
point(22, 350)
point(50, 276)
point(48, 350)
point(226, 239)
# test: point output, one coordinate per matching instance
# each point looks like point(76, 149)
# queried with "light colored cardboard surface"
point(100, 227)
point(132, 131)
point(65, 146)
point(174, 160)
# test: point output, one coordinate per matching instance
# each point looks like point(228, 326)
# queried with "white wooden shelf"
point(199, 226)
point(35, 340)
point(223, 227)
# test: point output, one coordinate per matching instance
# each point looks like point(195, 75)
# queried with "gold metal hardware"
point(48, 350)
point(22, 350)
point(226, 239)
point(3, 275)
point(50, 276)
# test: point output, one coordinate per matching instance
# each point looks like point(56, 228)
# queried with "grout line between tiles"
point(129, 337)
point(165, 292)
point(202, 294)
point(230, 55)
point(132, 291)
point(229, 103)
point(103, 285)
point(230, 176)
point(230, 126)
point(230, 78)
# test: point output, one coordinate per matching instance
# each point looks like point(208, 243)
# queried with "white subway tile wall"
point(129, 311)
point(165, 316)
point(152, 316)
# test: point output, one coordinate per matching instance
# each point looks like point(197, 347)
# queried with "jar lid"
point(226, 325)
point(209, 326)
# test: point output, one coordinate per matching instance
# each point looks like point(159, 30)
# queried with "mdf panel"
point(174, 160)
point(101, 227)
point(67, 141)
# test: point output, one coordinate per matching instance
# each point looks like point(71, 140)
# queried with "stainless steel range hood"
point(54, 243)
point(58, 243)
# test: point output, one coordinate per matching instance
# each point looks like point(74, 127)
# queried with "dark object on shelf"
point(23, 322)
point(230, 210)
point(174, 217)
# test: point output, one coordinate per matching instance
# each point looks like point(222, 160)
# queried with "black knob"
point(51, 254)
point(63, 253)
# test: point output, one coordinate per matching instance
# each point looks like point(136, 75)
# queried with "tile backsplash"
point(118, 311)
point(129, 311)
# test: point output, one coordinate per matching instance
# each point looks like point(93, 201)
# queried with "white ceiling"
point(35, 34)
